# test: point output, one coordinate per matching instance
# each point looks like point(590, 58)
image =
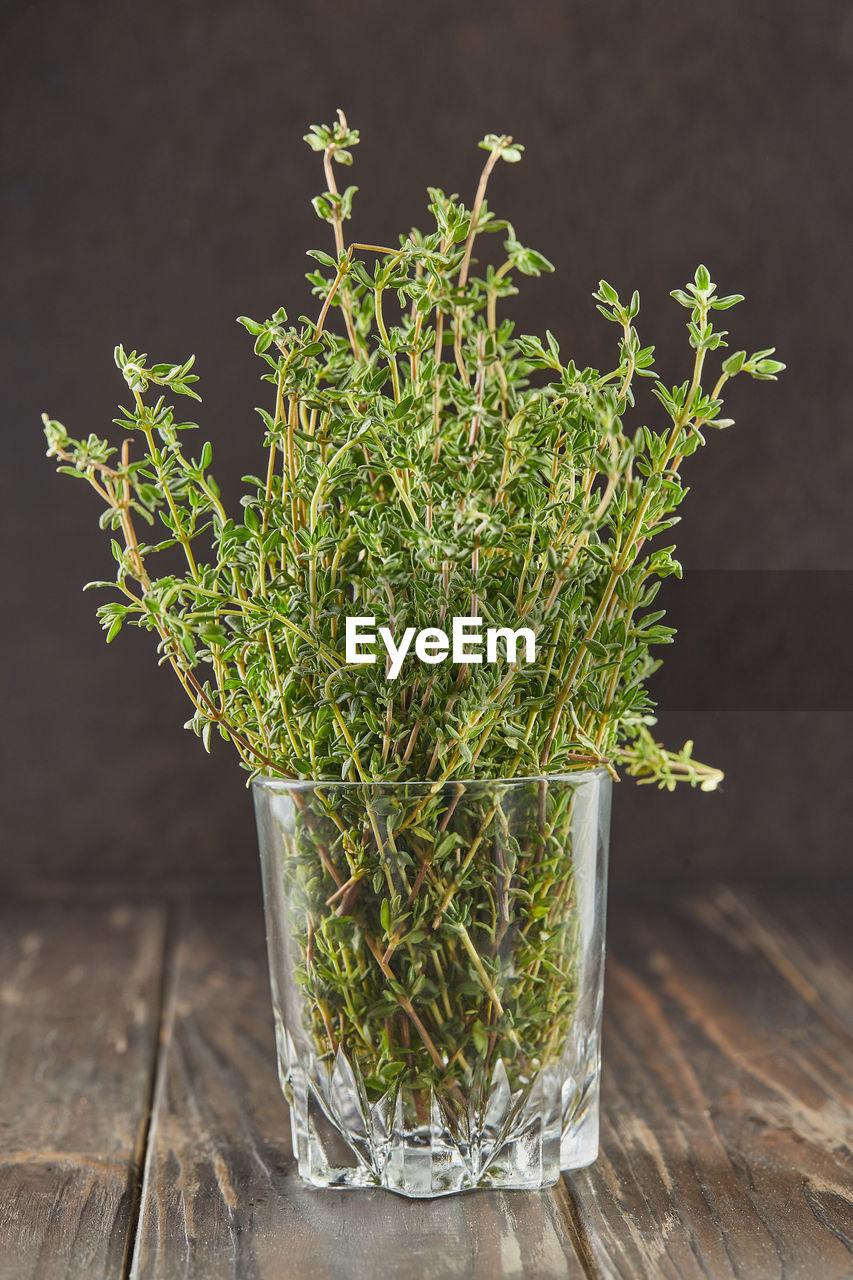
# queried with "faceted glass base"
point(502, 1139)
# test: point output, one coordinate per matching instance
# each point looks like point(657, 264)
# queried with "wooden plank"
point(221, 1197)
point(805, 929)
point(79, 1012)
point(728, 1103)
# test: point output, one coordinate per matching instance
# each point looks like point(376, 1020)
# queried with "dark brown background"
point(155, 186)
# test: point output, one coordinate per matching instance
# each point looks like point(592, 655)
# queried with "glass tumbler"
point(436, 958)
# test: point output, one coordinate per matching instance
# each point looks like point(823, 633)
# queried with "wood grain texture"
point(221, 1197)
point(726, 1130)
point(79, 1013)
point(728, 1100)
point(805, 930)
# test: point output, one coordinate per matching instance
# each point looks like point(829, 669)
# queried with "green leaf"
point(325, 258)
point(703, 280)
point(723, 304)
point(767, 369)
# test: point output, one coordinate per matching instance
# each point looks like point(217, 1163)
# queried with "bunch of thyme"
point(418, 468)
point(422, 463)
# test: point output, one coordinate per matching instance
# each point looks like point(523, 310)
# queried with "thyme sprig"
point(422, 462)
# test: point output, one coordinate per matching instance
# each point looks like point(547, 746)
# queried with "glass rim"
point(265, 782)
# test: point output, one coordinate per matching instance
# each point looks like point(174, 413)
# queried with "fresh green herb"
point(422, 463)
point(417, 470)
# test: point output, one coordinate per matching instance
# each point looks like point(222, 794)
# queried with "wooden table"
point(143, 1133)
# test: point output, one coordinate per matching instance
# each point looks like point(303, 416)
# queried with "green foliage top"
point(422, 462)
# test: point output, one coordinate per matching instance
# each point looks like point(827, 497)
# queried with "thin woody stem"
point(494, 156)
